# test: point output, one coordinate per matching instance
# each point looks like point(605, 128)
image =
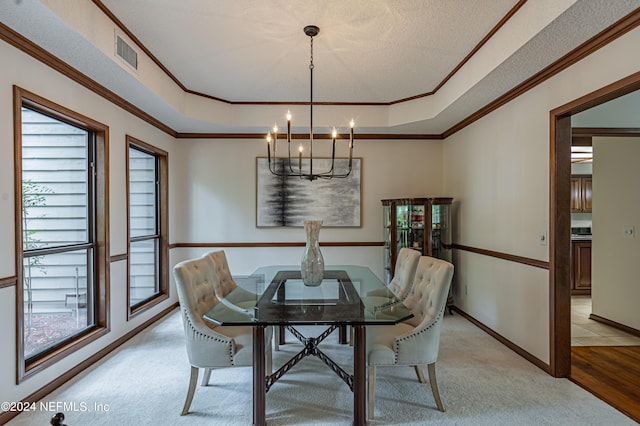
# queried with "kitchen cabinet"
point(581, 193)
point(581, 267)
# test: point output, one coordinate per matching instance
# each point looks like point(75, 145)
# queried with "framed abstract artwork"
point(289, 201)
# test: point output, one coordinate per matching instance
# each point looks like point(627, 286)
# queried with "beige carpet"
point(481, 383)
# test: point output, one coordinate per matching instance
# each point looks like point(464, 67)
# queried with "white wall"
point(615, 291)
point(215, 197)
point(498, 170)
point(19, 69)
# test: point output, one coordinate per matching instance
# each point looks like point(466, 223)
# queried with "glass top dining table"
point(348, 295)
point(276, 295)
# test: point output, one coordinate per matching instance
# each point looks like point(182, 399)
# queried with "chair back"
point(427, 302)
point(194, 283)
point(404, 272)
point(223, 282)
point(428, 297)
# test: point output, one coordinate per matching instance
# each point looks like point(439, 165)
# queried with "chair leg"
point(434, 386)
point(206, 377)
point(420, 373)
point(193, 379)
point(371, 391)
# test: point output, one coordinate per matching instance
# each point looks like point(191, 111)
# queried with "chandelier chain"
point(311, 57)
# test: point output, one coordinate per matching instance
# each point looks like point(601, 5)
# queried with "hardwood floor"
point(604, 360)
point(612, 373)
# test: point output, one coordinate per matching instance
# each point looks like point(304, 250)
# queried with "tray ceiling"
point(373, 52)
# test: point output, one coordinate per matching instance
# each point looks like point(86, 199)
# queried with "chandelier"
point(292, 168)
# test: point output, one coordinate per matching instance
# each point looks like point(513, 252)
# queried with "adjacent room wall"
point(498, 170)
point(616, 206)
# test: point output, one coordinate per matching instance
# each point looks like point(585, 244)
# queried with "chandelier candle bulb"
point(268, 146)
point(351, 144)
point(300, 157)
point(275, 142)
point(351, 134)
point(333, 144)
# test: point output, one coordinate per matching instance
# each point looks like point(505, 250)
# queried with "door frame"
point(560, 217)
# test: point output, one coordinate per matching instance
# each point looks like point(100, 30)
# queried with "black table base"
point(263, 382)
point(310, 348)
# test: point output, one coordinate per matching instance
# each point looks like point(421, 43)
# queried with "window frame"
point(99, 217)
point(162, 223)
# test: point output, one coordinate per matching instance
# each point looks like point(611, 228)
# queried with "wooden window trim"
point(22, 97)
point(163, 227)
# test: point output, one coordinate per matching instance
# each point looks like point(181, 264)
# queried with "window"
point(147, 214)
point(61, 225)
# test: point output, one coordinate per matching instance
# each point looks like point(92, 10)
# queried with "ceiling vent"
point(126, 52)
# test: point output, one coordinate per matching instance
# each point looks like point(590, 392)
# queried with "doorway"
point(593, 379)
point(560, 219)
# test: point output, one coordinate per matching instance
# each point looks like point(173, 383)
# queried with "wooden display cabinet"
point(422, 224)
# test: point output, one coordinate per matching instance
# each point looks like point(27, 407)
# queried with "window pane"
point(143, 270)
point(142, 193)
point(56, 290)
point(55, 191)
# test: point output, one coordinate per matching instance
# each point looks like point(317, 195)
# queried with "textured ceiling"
point(367, 52)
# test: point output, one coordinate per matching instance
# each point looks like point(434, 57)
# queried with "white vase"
point(312, 265)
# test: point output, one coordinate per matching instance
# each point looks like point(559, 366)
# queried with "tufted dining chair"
point(208, 345)
point(240, 300)
point(401, 283)
point(414, 342)
point(403, 274)
point(230, 294)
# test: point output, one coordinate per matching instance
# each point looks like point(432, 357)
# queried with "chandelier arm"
point(289, 140)
point(290, 168)
point(271, 166)
point(329, 177)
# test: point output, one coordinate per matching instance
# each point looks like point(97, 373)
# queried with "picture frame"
point(289, 201)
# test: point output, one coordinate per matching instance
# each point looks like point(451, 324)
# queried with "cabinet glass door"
point(387, 220)
point(440, 231)
point(402, 226)
point(416, 224)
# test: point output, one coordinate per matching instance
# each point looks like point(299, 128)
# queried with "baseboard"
point(69, 374)
point(615, 325)
point(508, 343)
